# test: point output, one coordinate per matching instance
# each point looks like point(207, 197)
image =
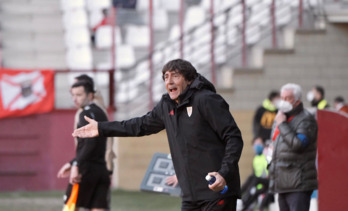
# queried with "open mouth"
point(173, 90)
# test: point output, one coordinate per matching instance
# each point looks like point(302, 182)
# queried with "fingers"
point(219, 184)
point(59, 175)
point(78, 133)
point(172, 181)
point(89, 119)
point(88, 131)
point(76, 179)
point(75, 133)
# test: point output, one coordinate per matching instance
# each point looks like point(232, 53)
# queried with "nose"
point(169, 80)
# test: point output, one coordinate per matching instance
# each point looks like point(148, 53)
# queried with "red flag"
point(26, 92)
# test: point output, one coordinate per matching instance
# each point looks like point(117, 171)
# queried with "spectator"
point(105, 21)
point(257, 183)
point(127, 4)
point(264, 117)
point(339, 105)
point(292, 170)
point(88, 168)
point(317, 98)
point(202, 134)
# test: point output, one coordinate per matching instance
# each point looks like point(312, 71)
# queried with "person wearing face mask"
point(340, 106)
point(292, 171)
point(257, 182)
point(316, 98)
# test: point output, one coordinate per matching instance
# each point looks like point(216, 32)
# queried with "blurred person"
point(106, 20)
point(317, 98)
point(202, 134)
point(340, 105)
point(264, 116)
point(99, 101)
point(256, 186)
point(109, 153)
point(292, 170)
point(88, 168)
point(127, 4)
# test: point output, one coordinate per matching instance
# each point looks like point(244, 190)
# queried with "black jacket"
point(263, 120)
point(202, 134)
point(90, 152)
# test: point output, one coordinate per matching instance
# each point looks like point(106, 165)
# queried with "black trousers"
point(222, 204)
point(295, 201)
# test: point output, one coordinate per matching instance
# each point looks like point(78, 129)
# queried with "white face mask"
point(310, 96)
point(284, 106)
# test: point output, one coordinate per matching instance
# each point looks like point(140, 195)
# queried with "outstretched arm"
point(87, 131)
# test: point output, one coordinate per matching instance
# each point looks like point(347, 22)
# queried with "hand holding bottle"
point(216, 182)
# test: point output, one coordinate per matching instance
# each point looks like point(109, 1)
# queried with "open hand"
point(87, 131)
point(64, 172)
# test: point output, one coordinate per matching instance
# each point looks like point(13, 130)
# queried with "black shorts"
point(93, 188)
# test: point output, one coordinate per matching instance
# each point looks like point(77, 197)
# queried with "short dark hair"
point(273, 94)
point(88, 87)
point(339, 99)
point(85, 77)
point(184, 67)
point(320, 89)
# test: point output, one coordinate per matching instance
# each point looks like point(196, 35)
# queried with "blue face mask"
point(258, 148)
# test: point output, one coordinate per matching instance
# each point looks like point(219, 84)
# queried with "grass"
point(121, 201)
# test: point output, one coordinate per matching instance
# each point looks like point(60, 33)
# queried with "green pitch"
point(120, 201)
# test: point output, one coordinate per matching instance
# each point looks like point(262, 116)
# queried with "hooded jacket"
point(202, 134)
point(293, 161)
point(263, 120)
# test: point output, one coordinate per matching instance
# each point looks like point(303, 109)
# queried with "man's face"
point(175, 84)
point(288, 95)
point(79, 96)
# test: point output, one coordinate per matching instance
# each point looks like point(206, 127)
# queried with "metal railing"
point(224, 38)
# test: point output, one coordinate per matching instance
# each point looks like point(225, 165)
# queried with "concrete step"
point(47, 45)
point(35, 7)
point(41, 25)
point(31, 62)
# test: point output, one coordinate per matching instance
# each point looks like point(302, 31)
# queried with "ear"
point(90, 96)
point(298, 102)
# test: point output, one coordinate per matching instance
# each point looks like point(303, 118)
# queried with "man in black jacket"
point(88, 168)
point(203, 137)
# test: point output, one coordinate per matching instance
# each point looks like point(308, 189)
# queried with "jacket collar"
point(267, 104)
point(295, 111)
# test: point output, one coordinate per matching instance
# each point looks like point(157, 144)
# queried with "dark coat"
point(202, 134)
point(293, 162)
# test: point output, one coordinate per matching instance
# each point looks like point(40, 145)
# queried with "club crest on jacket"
point(189, 111)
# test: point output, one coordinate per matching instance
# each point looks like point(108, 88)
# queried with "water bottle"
point(212, 179)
